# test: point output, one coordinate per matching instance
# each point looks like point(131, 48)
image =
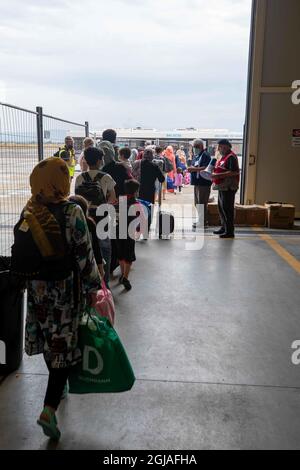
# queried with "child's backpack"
point(187, 178)
point(26, 260)
point(91, 189)
point(146, 204)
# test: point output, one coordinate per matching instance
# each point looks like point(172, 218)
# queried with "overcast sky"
point(149, 63)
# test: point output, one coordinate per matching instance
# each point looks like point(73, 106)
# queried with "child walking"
point(83, 203)
point(126, 247)
point(178, 180)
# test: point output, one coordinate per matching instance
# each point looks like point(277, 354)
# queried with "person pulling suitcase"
point(165, 220)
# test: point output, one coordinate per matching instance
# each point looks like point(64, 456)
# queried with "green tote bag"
point(105, 367)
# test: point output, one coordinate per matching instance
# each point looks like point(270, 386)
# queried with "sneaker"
point(48, 423)
point(126, 284)
point(121, 279)
point(221, 231)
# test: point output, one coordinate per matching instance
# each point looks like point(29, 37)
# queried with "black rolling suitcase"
point(11, 319)
point(165, 220)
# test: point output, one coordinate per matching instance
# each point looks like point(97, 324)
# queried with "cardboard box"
point(280, 215)
point(247, 216)
point(240, 215)
point(256, 216)
point(214, 220)
point(213, 209)
point(250, 216)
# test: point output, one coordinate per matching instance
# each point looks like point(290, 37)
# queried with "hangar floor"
point(209, 334)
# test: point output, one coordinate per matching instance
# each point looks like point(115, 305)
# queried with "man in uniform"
point(67, 153)
point(226, 178)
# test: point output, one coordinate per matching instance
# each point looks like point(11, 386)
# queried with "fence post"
point(87, 129)
point(40, 133)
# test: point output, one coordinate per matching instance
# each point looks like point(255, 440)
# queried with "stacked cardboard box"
point(247, 216)
point(240, 215)
point(280, 215)
point(256, 216)
point(251, 216)
point(273, 215)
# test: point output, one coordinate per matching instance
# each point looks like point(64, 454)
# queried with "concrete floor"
point(213, 369)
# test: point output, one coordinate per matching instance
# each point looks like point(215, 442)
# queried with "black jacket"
point(119, 174)
point(149, 174)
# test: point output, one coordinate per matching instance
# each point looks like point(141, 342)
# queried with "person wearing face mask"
point(202, 187)
point(67, 154)
point(146, 173)
point(181, 155)
point(226, 178)
point(88, 142)
point(113, 168)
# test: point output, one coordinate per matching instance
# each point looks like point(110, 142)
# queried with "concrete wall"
point(272, 163)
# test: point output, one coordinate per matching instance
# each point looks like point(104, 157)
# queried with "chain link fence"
point(25, 138)
point(54, 133)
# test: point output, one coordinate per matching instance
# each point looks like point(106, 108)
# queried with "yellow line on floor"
point(282, 252)
point(256, 236)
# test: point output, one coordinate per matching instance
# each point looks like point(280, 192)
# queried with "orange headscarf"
point(169, 153)
point(50, 181)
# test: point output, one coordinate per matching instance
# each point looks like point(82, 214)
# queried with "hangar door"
point(272, 148)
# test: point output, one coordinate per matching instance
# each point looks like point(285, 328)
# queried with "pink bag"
point(105, 305)
point(187, 178)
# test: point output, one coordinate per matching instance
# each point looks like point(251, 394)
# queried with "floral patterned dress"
point(55, 308)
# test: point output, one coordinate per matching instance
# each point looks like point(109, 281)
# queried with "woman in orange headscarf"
point(53, 252)
point(170, 155)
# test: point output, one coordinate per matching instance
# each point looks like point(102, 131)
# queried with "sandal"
point(126, 284)
point(49, 426)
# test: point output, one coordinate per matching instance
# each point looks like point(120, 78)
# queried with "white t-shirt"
point(106, 182)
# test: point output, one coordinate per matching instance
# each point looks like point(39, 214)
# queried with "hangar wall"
point(272, 161)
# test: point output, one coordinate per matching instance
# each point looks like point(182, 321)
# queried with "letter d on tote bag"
point(105, 367)
point(87, 352)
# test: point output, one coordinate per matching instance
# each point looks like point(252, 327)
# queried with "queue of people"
point(62, 247)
